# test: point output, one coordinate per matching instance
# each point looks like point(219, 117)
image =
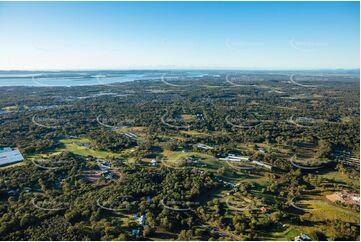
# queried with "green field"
point(69, 145)
point(175, 157)
point(326, 210)
point(195, 133)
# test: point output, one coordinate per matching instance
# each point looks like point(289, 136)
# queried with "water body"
point(71, 78)
point(86, 78)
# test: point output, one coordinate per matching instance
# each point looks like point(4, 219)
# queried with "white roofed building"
point(153, 162)
point(9, 156)
point(204, 147)
point(232, 157)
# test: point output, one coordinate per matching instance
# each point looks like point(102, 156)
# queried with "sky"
point(179, 35)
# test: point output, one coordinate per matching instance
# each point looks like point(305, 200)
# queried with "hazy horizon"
point(183, 69)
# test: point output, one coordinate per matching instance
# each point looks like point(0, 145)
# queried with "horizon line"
point(186, 69)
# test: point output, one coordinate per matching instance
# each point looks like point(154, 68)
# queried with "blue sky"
point(131, 35)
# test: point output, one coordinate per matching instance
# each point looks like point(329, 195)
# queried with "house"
point(153, 162)
point(302, 237)
point(263, 210)
point(204, 147)
point(304, 120)
point(262, 164)
point(200, 116)
point(232, 157)
point(140, 220)
point(229, 184)
point(135, 232)
point(344, 196)
point(103, 162)
point(130, 135)
point(26, 189)
point(261, 150)
point(13, 192)
point(231, 192)
point(87, 145)
point(349, 197)
point(239, 158)
point(9, 156)
point(104, 167)
point(224, 159)
point(355, 198)
point(107, 175)
point(190, 160)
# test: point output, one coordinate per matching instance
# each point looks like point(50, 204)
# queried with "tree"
point(185, 235)
point(146, 231)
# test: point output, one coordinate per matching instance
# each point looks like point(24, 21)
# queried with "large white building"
point(232, 157)
point(204, 147)
point(8, 156)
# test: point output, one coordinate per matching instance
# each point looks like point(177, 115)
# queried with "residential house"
point(302, 237)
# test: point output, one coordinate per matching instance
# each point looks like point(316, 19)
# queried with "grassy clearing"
point(195, 133)
point(11, 108)
point(41, 155)
point(188, 117)
point(69, 145)
point(260, 180)
point(288, 234)
point(249, 147)
point(174, 158)
point(324, 210)
point(177, 137)
point(340, 178)
point(177, 156)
